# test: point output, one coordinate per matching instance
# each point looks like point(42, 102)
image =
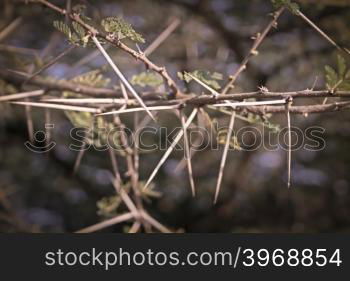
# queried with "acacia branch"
point(301, 109)
point(60, 85)
point(176, 92)
point(253, 51)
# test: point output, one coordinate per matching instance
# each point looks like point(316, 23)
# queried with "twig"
point(131, 172)
point(88, 100)
point(62, 85)
point(320, 31)
point(59, 106)
point(250, 103)
point(121, 76)
point(51, 84)
point(253, 51)
point(49, 5)
point(68, 9)
point(107, 223)
point(224, 156)
point(229, 134)
point(136, 146)
point(171, 148)
point(47, 127)
point(289, 158)
point(301, 109)
point(10, 28)
point(125, 94)
point(50, 63)
point(155, 223)
point(135, 227)
point(188, 154)
point(78, 159)
point(29, 120)
point(80, 156)
point(126, 199)
point(115, 166)
point(19, 96)
point(162, 37)
point(19, 50)
point(153, 108)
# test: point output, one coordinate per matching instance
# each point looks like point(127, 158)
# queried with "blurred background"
point(39, 193)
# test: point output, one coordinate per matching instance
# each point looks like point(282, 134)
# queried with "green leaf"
point(93, 79)
point(291, 6)
point(122, 29)
point(77, 37)
point(147, 79)
point(217, 76)
point(108, 206)
point(211, 79)
point(79, 29)
point(331, 77)
point(64, 28)
point(234, 143)
point(338, 80)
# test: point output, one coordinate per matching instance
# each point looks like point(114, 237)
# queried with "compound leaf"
point(210, 79)
point(122, 29)
point(147, 79)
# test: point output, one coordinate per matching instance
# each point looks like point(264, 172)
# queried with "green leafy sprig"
point(121, 29)
point(338, 79)
point(210, 79)
point(77, 36)
point(147, 79)
point(291, 6)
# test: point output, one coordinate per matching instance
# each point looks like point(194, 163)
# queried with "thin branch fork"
point(138, 56)
point(133, 175)
point(120, 75)
point(253, 51)
point(171, 148)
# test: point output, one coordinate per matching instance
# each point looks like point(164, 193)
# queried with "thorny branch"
point(176, 92)
point(175, 100)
